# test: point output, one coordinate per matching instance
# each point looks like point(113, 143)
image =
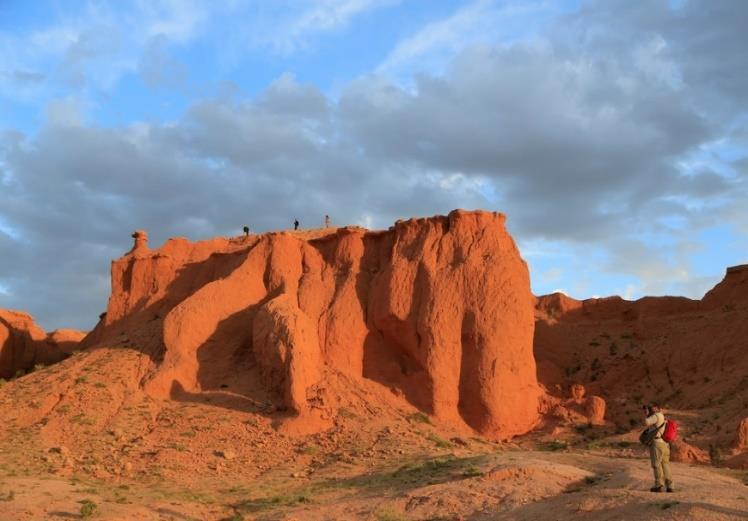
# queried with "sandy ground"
point(501, 484)
point(80, 440)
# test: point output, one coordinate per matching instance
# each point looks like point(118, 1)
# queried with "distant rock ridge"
point(23, 344)
point(437, 310)
point(679, 352)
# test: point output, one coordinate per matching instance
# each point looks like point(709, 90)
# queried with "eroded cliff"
point(437, 310)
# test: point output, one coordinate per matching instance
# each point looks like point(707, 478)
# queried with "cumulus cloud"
point(583, 139)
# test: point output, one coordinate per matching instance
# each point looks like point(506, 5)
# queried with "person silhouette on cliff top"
point(246, 231)
point(295, 224)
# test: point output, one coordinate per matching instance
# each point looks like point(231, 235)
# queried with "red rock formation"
point(594, 408)
point(23, 344)
point(685, 354)
point(577, 393)
point(438, 309)
point(741, 436)
point(683, 452)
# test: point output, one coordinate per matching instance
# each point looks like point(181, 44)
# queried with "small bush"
point(471, 471)
point(9, 496)
point(310, 449)
point(390, 515)
point(347, 413)
point(440, 442)
point(88, 508)
point(555, 445)
point(419, 417)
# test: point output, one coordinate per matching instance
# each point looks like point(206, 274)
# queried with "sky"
point(613, 134)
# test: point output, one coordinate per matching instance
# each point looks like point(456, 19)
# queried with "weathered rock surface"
point(684, 354)
point(439, 310)
point(23, 344)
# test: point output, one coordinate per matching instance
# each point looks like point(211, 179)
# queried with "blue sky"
point(612, 133)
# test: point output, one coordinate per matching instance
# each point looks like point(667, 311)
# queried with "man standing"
point(659, 449)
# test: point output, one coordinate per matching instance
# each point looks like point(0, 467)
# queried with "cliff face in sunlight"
point(437, 310)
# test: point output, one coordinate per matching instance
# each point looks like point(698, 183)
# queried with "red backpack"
point(671, 431)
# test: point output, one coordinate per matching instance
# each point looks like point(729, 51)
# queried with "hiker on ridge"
point(246, 231)
point(295, 224)
point(327, 221)
point(659, 449)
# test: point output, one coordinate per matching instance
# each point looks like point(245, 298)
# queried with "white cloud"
point(479, 22)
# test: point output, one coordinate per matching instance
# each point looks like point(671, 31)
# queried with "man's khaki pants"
point(659, 453)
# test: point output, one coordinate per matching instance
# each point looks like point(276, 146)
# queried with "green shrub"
point(419, 417)
point(440, 442)
point(88, 508)
point(555, 445)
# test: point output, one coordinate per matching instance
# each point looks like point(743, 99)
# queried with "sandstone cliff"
point(436, 310)
point(23, 344)
point(686, 354)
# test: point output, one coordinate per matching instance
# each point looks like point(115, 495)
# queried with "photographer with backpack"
point(659, 448)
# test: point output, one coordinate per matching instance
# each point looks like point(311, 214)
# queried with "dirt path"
point(517, 485)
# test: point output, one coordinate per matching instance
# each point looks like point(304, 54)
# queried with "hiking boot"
point(656, 489)
point(669, 489)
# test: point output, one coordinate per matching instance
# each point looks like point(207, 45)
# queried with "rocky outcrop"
point(439, 310)
point(594, 408)
point(23, 344)
point(683, 452)
point(285, 345)
point(684, 354)
point(741, 436)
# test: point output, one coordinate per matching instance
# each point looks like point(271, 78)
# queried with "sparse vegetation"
point(555, 445)
point(7, 496)
point(439, 442)
point(390, 515)
point(347, 414)
point(88, 508)
point(471, 471)
point(270, 503)
point(419, 417)
point(310, 449)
